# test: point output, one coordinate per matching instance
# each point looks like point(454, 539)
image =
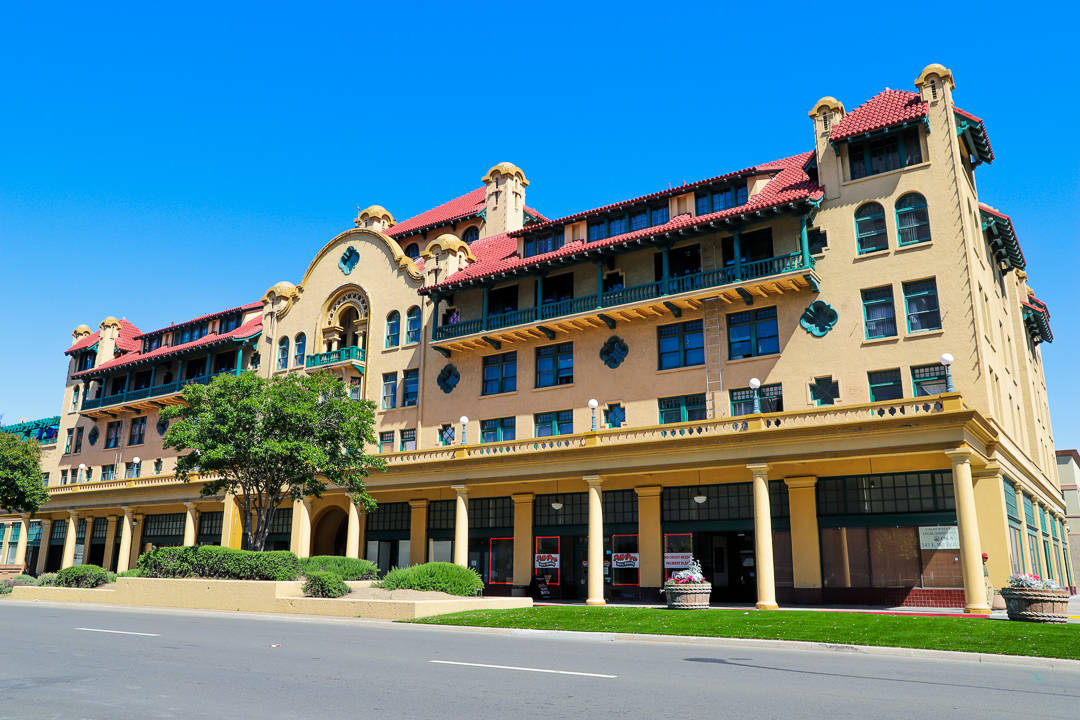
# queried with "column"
point(87, 536)
point(352, 537)
point(20, 545)
point(4, 542)
point(1027, 563)
point(968, 525)
point(191, 523)
point(110, 542)
point(136, 540)
point(993, 527)
point(651, 572)
point(68, 558)
point(523, 540)
point(461, 526)
point(418, 532)
point(123, 560)
point(763, 555)
point(43, 547)
point(301, 522)
point(805, 537)
point(231, 528)
point(596, 541)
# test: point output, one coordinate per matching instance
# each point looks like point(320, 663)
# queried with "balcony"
point(352, 355)
point(139, 399)
point(761, 278)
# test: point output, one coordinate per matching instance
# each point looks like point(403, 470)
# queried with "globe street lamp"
point(593, 404)
point(947, 359)
point(464, 420)
point(755, 385)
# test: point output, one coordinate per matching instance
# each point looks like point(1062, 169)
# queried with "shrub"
point(439, 576)
point(346, 568)
point(211, 561)
point(7, 584)
point(133, 572)
point(82, 576)
point(324, 584)
point(46, 580)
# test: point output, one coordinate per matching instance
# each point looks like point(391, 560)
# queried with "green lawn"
point(965, 634)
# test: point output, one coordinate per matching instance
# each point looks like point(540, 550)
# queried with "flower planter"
point(1049, 606)
point(688, 596)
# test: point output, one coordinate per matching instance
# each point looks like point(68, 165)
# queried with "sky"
point(162, 161)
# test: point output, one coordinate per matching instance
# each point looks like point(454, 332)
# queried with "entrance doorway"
point(727, 561)
point(330, 534)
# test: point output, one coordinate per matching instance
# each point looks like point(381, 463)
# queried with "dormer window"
point(471, 235)
point(883, 153)
point(228, 324)
point(84, 361)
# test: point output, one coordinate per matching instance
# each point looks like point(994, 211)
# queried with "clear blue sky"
point(215, 148)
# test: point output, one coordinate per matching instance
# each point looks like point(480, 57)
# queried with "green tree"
point(267, 440)
point(21, 486)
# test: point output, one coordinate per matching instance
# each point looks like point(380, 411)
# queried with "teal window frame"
point(881, 381)
point(933, 373)
point(555, 365)
point(762, 326)
point(108, 472)
point(412, 325)
point(875, 298)
point(471, 234)
point(113, 432)
point(389, 391)
point(410, 387)
point(446, 434)
point(680, 345)
point(502, 429)
point(615, 415)
point(299, 349)
point(922, 291)
point(543, 243)
point(407, 436)
point(136, 431)
point(904, 146)
point(393, 329)
point(386, 441)
point(499, 374)
point(912, 216)
point(820, 398)
point(282, 354)
point(681, 408)
point(867, 226)
point(771, 399)
point(555, 422)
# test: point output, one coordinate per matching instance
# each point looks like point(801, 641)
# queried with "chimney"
point(504, 194)
point(935, 84)
point(110, 331)
point(375, 218)
point(444, 256)
point(79, 333)
point(827, 114)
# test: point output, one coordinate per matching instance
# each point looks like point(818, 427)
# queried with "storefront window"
point(625, 560)
point(546, 563)
point(783, 569)
point(888, 557)
point(678, 549)
point(501, 561)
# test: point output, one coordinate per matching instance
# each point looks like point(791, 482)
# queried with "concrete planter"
point(688, 596)
point(1048, 606)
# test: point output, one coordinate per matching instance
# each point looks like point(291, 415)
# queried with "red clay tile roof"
point(243, 308)
point(468, 205)
point(888, 107)
point(498, 254)
point(249, 329)
point(125, 340)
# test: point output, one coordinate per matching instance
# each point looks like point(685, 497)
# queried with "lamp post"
point(135, 469)
point(947, 359)
point(755, 385)
point(464, 420)
point(82, 471)
point(593, 404)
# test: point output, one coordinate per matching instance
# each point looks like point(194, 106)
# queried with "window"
point(412, 325)
point(770, 399)
point(717, 200)
point(682, 408)
point(157, 466)
point(389, 390)
point(191, 333)
point(446, 435)
point(912, 219)
point(615, 415)
point(471, 234)
point(132, 469)
point(74, 398)
point(138, 431)
point(228, 324)
point(386, 441)
point(560, 422)
point(498, 430)
point(885, 385)
point(300, 350)
point(64, 476)
point(888, 493)
point(408, 440)
point(67, 442)
point(78, 439)
point(112, 434)
point(85, 361)
point(393, 329)
point(658, 215)
point(558, 288)
point(884, 153)
point(282, 354)
point(108, 472)
point(502, 300)
point(825, 390)
point(500, 373)
point(681, 344)
point(410, 390)
point(878, 312)
point(922, 305)
point(752, 333)
point(928, 379)
point(870, 232)
point(555, 365)
point(412, 251)
point(545, 242)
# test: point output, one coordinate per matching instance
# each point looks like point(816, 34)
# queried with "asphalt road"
point(74, 662)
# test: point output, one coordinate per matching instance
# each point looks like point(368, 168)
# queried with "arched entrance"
point(330, 533)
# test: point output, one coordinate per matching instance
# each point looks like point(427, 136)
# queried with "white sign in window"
point(939, 537)
point(673, 561)
point(546, 561)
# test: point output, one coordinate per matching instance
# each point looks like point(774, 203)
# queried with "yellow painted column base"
point(595, 602)
point(767, 606)
point(977, 610)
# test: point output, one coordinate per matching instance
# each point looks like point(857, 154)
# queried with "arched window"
point(412, 325)
point(393, 329)
point(300, 350)
point(283, 353)
point(413, 251)
point(870, 228)
point(472, 234)
point(912, 219)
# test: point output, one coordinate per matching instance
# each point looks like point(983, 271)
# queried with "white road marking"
point(525, 669)
point(120, 632)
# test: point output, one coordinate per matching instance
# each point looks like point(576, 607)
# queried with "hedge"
point(46, 580)
point(439, 576)
point(324, 584)
point(211, 561)
point(82, 576)
point(8, 583)
point(133, 572)
point(345, 568)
